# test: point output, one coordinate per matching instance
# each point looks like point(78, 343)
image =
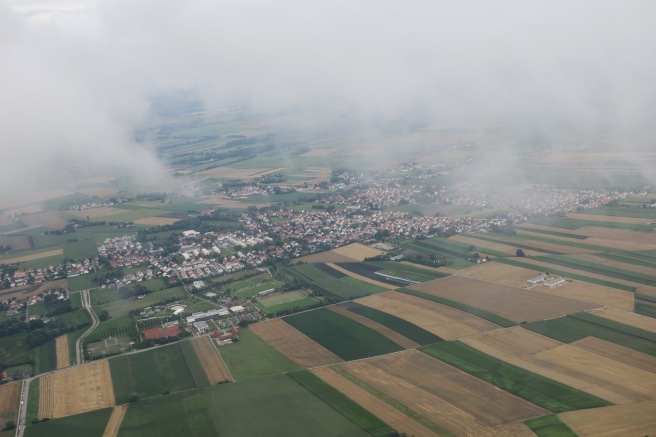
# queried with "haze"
point(76, 77)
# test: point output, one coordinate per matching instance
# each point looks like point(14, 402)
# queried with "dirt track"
point(63, 356)
point(294, 344)
point(209, 358)
point(115, 420)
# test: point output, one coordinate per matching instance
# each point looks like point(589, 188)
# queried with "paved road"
point(79, 348)
point(22, 407)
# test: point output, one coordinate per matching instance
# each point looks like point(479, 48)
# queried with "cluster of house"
point(15, 306)
point(91, 205)
point(123, 251)
point(547, 280)
point(10, 278)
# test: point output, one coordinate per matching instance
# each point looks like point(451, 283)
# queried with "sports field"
point(511, 303)
point(294, 344)
point(76, 390)
point(441, 320)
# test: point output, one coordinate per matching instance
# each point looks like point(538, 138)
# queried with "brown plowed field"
point(592, 293)
point(397, 338)
point(500, 273)
point(210, 359)
point(595, 374)
point(617, 420)
point(443, 321)
point(443, 394)
point(361, 278)
point(115, 420)
point(509, 302)
point(9, 401)
point(628, 318)
point(61, 346)
point(294, 344)
point(358, 252)
point(76, 390)
point(618, 353)
point(377, 407)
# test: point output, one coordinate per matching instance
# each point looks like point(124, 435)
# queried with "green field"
point(112, 327)
point(150, 373)
point(82, 282)
point(74, 319)
point(193, 363)
point(403, 327)
point(33, 400)
point(407, 272)
point(645, 309)
point(45, 358)
point(550, 426)
point(271, 406)
point(348, 287)
point(578, 326)
point(121, 307)
point(252, 358)
point(344, 405)
point(14, 351)
point(91, 424)
point(254, 290)
point(494, 318)
point(135, 214)
point(570, 223)
point(285, 301)
point(344, 337)
point(547, 393)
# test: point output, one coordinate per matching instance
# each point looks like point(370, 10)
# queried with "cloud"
point(76, 76)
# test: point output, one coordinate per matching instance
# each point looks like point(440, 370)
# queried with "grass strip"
point(33, 401)
point(550, 426)
point(645, 309)
point(394, 403)
point(342, 403)
point(491, 317)
point(514, 244)
point(547, 393)
point(613, 272)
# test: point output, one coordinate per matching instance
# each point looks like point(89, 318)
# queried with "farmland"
point(252, 357)
point(63, 356)
point(633, 419)
point(340, 335)
point(286, 301)
point(210, 360)
point(90, 424)
point(333, 281)
point(9, 400)
point(77, 390)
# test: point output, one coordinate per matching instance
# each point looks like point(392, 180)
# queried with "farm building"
point(539, 278)
point(201, 327)
point(555, 282)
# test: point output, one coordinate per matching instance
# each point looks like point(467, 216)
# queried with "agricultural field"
point(637, 419)
point(341, 335)
point(285, 301)
point(293, 344)
point(392, 335)
point(608, 379)
point(90, 424)
point(365, 273)
point(626, 317)
point(77, 390)
point(63, 355)
point(153, 372)
point(331, 281)
point(121, 307)
point(440, 320)
point(210, 360)
point(251, 357)
point(511, 303)
point(9, 402)
point(454, 402)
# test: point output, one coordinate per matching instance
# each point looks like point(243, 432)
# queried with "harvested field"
point(63, 356)
point(212, 363)
point(637, 238)
point(156, 221)
point(77, 390)
point(95, 212)
point(615, 264)
point(618, 420)
point(606, 218)
point(360, 277)
point(397, 338)
point(620, 244)
point(558, 247)
point(379, 408)
point(592, 293)
point(441, 320)
point(47, 219)
point(617, 353)
point(503, 274)
point(319, 152)
point(600, 376)
point(115, 420)
point(511, 303)
point(33, 257)
point(230, 203)
point(482, 244)
point(237, 173)
point(20, 242)
point(9, 401)
point(358, 252)
point(322, 257)
point(628, 318)
point(293, 344)
point(100, 192)
point(457, 401)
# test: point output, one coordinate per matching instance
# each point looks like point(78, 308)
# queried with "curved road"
point(86, 304)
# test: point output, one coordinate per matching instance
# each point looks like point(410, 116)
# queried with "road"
point(22, 407)
point(79, 347)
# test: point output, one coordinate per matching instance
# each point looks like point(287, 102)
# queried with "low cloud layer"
point(75, 76)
